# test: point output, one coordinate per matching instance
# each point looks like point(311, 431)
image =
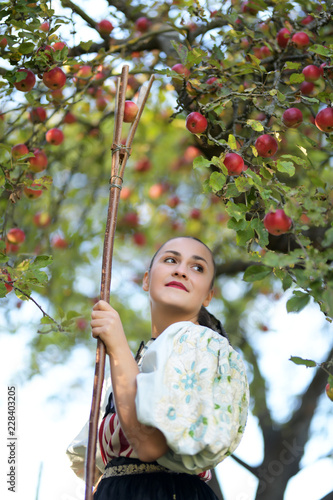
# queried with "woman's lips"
point(176, 284)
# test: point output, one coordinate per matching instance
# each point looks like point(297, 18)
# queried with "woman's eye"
point(169, 259)
point(199, 268)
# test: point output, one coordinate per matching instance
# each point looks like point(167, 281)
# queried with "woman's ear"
point(208, 298)
point(145, 282)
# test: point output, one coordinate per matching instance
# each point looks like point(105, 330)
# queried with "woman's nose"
point(180, 271)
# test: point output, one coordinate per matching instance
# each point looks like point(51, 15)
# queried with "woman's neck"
point(160, 321)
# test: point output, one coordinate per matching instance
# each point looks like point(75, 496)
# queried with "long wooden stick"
point(120, 155)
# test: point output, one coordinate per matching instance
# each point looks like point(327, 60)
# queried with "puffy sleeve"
point(193, 388)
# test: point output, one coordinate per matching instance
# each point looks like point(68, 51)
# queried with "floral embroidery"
point(198, 396)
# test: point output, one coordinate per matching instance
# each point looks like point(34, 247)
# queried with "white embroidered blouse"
point(192, 386)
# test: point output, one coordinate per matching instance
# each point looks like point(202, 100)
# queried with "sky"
point(50, 413)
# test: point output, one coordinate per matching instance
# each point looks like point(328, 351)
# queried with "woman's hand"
point(106, 324)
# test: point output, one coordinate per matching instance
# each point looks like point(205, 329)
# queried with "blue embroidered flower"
point(171, 413)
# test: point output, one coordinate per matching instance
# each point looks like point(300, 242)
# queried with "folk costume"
point(192, 386)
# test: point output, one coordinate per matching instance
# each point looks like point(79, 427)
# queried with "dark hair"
point(205, 318)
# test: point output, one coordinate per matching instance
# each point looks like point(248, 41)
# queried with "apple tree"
point(234, 147)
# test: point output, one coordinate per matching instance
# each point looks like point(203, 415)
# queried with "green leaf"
point(182, 51)
point(232, 142)
point(236, 211)
point(42, 261)
point(255, 125)
point(296, 78)
point(26, 48)
point(321, 50)
point(242, 237)
point(256, 273)
point(281, 96)
point(300, 361)
point(86, 45)
point(292, 65)
point(217, 181)
point(286, 166)
point(3, 290)
point(298, 302)
point(200, 161)
point(259, 228)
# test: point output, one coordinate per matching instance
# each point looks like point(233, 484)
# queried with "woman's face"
point(181, 276)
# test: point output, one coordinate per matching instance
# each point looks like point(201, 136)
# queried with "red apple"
point(104, 27)
point(54, 136)
point(142, 165)
point(324, 120)
point(173, 201)
point(266, 145)
point(59, 242)
point(300, 39)
point(125, 193)
point(277, 222)
point(101, 103)
point(130, 111)
point(292, 117)
point(33, 192)
point(58, 45)
point(19, 150)
point(28, 82)
point(45, 26)
point(283, 37)
point(47, 50)
point(139, 239)
point(54, 78)
point(306, 88)
point(195, 213)
point(329, 391)
point(69, 118)
point(142, 24)
point(181, 70)
point(190, 153)
point(156, 191)
point(42, 219)
point(38, 162)
point(131, 219)
point(234, 163)
point(16, 236)
point(37, 115)
point(3, 42)
point(196, 123)
point(307, 20)
point(311, 73)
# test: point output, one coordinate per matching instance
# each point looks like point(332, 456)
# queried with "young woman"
point(180, 407)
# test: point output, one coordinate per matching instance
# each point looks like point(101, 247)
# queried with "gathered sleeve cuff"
point(193, 388)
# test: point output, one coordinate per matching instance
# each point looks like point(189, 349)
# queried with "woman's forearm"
point(148, 442)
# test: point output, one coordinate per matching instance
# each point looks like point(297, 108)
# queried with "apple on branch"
point(142, 24)
point(42, 219)
point(234, 163)
point(54, 79)
point(196, 123)
point(33, 191)
point(16, 236)
point(130, 111)
point(300, 39)
point(277, 222)
point(312, 73)
point(292, 117)
point(104, 27)
point(283, 37)
point(37, 115)
point(324, 120)
point(38, 162)
point(54, 136)
point(27, 82)
point(266, 145)
point(19, 150)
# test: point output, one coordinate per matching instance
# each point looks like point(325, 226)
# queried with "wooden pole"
point(120, 154)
